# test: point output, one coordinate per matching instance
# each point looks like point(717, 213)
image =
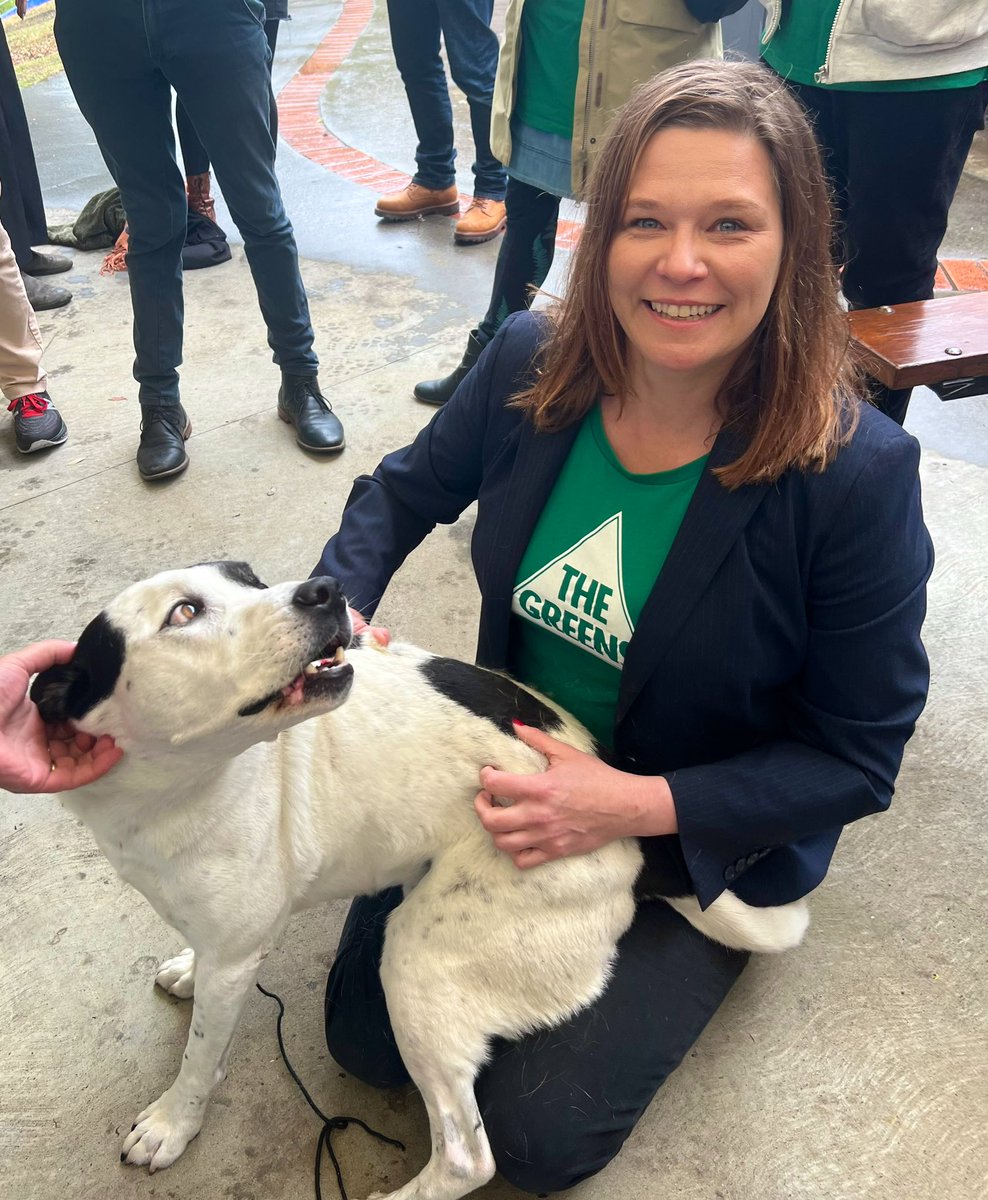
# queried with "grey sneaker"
point(37, 422)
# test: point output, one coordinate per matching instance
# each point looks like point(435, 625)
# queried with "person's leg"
point(472, 48)
point(906, 154)
point(127, 101)
point(523, 262)
point(218, 64)
point(415, 34)
point(37, 423)
point(21, 372)
point(271, 33)
point(194, 156)
point(22, 208)
point(358, 1030)
point(525, 256)
point(596, 1073)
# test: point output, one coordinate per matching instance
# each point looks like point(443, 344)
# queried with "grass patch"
point(32, 44)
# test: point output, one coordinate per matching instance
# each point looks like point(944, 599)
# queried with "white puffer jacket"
point(898, 39)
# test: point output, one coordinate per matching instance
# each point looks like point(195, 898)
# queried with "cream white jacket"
point(898, 39)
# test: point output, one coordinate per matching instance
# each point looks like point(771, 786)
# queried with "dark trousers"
point(22, 209)
point(471, 47)
point(894, 160)
point(558, 1104)
point(525, 254)
point(122, 58)
point(194, 156)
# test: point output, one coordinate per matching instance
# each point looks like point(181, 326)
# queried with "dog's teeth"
point(339, 657)
point(311, 669)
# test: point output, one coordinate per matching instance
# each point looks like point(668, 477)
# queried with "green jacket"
point(622, 43)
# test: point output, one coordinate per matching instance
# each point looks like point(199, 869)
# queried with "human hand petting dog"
point(380, 635)
point(575, 805)
point(35, 757)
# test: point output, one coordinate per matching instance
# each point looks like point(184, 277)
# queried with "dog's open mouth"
point(323, 676)
point(318, 677)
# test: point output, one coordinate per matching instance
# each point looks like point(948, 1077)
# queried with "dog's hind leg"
point(443, 1049)
point(165, 1128)
point(461, 1158)
point(178, 975)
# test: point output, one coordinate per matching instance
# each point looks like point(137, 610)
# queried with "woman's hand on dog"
point(35, 757)
point(575, 805)
point(377, 632)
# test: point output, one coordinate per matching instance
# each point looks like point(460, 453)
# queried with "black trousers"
point(22, 209)
point(194, 156)
point(525, 256)
point(894, 160)
point(558, 1104)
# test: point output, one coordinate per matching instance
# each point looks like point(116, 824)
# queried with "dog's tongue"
point(294, 692)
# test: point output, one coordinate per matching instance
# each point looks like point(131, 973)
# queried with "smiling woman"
point(690, 533)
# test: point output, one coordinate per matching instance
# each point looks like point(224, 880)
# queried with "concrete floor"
point(852, 1069)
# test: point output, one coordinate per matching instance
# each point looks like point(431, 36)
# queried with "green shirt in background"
point(798, 50)
point(548, 65)
point(590, 565)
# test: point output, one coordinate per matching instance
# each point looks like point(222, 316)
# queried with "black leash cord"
point(329, 1124)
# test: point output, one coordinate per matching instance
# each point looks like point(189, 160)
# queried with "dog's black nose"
point(321, 592)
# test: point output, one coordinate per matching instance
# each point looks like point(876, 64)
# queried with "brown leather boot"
point(200, 201)
point(416, 201)
point(483, 220)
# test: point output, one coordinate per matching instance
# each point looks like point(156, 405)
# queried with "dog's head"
point(205, 651)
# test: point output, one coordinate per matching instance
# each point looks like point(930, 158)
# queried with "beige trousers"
point(21, 372)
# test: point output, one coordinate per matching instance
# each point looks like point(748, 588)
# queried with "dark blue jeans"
point(471, 47)
point(557, 1104)
point(122, 58)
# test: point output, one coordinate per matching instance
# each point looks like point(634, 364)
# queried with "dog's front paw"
point(161, 1133)
point(178, 974)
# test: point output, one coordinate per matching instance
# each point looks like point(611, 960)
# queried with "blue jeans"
point(471, 47)
point(122, 58)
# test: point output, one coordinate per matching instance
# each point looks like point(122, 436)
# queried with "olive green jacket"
point(622, 43)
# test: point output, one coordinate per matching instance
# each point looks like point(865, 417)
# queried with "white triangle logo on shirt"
point(579, 596)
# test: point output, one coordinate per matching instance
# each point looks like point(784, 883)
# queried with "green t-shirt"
point(548, 65)
point(798, 50)
point(590, 565)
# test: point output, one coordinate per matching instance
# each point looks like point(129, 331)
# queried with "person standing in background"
point(896, 90)
point(22, 209)
point(122, 59)
point(194, 156)
point(471, 47)
point(37, 423)
point(566, 67)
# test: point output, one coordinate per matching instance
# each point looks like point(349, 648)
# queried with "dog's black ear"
point(60, 693)
point(68, 691)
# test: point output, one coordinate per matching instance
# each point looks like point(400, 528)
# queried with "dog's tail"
point(741, 926)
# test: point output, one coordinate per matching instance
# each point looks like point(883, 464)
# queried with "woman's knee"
point(540, 1160)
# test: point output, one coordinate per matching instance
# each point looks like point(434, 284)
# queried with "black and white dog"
point(249, 790)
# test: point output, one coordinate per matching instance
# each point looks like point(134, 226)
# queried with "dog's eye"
point(184, 612)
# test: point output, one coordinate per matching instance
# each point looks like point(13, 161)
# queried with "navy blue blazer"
point(776, 670)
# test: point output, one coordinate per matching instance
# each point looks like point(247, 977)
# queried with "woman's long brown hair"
point(794, 392)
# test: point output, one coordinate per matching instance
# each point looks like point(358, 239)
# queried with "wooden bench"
point(942, 343)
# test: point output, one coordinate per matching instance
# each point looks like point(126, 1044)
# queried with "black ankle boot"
point(301, 404)
point(438, 391)
point(164, 431)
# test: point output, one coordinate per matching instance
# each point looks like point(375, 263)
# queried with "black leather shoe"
point(301, 404)
point(43, 296)
point(41, 263)
point(438, 391)
point(164, 430)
